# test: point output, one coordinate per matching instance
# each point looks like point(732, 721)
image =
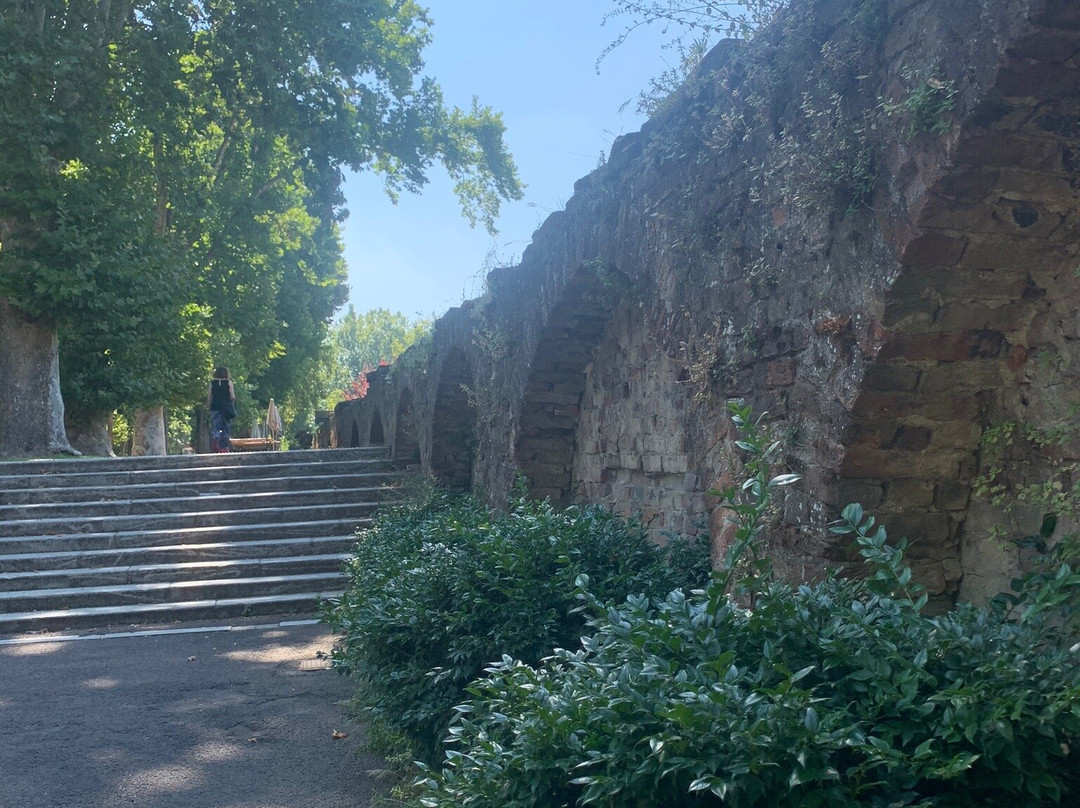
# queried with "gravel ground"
point(245, 718)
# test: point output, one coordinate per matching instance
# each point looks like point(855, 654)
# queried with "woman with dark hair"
point(221, 401)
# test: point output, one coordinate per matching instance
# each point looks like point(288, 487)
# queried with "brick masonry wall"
point(725, 251)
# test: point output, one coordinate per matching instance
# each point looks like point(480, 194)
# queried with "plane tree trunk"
point(89, 432)
point(148, 432)
point(31, 407)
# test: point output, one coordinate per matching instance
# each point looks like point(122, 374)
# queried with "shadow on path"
point(239, 719)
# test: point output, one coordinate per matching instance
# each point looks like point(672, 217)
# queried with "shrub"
point(839, 693)
point(440, 588)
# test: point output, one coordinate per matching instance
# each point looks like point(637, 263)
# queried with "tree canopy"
point(362, 341)
point(171, 171)
point(694, 19)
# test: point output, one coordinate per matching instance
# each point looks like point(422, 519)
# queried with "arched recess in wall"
point(976, 329)
point(377, 436)
point(453, 423)
point(406, 433)
point(550, 409)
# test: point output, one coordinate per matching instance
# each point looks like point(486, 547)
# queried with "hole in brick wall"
point(550, 408)
point(1024, 215)
point(453, 424)
point(406, 433)
point(377, 436)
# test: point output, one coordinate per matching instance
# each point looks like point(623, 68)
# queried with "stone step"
point(201, 518)
point(118, 476)
point(130, 539)
point(137, 614)
point(197, 487)
point(176, 554)
point(200, 461)
point(47, 513)
point(202, 571)
point(136, 540)
point(87, 597)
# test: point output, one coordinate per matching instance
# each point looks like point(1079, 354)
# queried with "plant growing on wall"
point(708, 18)
point(925, 105)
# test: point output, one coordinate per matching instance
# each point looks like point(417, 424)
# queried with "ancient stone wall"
point(865, 222)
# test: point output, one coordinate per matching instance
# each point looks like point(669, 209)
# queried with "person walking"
point(221, 401)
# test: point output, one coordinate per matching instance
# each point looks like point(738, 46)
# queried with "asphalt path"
point(246, 718)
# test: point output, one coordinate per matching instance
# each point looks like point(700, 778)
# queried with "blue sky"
point(534, 62)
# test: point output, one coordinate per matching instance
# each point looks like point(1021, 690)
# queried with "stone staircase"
point(106, 542)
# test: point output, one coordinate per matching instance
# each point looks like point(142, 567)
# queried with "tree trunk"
point(89, 433)
point(148, 432)
point(202, 430)
point(31, 408)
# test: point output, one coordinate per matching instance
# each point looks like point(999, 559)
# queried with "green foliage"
point(121, 434)
point(441, 587)
point(359, 342)
point(663, 89)
point(825, 155)
point(1022, 468)
point(171, 172)
point(708, 19)
point(837, 693)
point(926, 106)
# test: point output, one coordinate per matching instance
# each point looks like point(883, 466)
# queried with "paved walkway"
point(237, 719)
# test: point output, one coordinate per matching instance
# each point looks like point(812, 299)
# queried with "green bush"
point(440, 588)
point(837, 694)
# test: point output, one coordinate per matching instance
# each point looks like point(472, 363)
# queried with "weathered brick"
point(950, 495)
point(652, 464)
point(941, 347)
point(781, 373)
point(953, 377)
point(894, 464)
point(988, 253)
point(912, 438)
point(868, 493)
point(909, 314)
point(956, 434)
point(1005, 150)
point(881, 376)
point(675, 464)
point(876, 434)
point(931, 535)
point(974, 183)
point(965, 316)
point(933, 249)
point(907, 494)
point(879, 405)
point(1047, 45)
point(1054, 80)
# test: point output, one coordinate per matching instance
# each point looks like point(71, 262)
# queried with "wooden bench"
point(254, 444)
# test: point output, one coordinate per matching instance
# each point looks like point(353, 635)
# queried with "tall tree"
point(53, 72)
point(361, 341)
point(232, 122)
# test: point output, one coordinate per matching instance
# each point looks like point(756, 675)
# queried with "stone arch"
point(453, 423)
point(406, 432)
point(377, 436)
point(550, 408)
point(978, 298)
